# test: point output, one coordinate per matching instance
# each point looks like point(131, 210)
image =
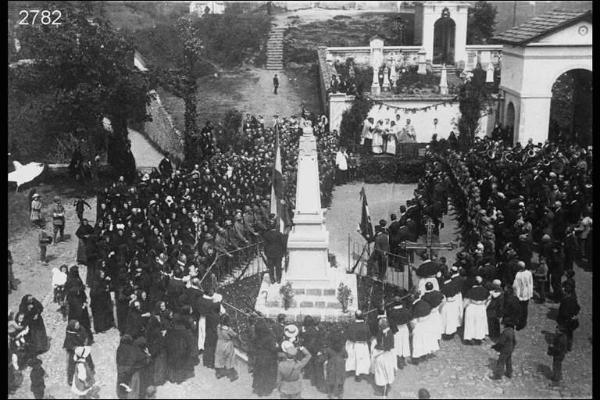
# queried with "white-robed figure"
point(391, 138)
point(419, 324)
point(378, 138)
point(434, 298)
point(398, 317)
point(384, 358)
point(476, 327)
point(451, 312)
point(357, 347)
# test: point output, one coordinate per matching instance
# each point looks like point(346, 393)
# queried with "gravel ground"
point(457, 371)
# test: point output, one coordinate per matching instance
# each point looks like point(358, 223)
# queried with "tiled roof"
point(540, 26)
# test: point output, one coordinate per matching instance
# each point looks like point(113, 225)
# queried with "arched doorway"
point(571, 108)
point(510, 122)
point(444, 31)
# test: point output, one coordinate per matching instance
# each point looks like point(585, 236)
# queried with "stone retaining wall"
point(161, 131)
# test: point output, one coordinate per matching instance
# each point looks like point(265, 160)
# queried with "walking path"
point(146, 156)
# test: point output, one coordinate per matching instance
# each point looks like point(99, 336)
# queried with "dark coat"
point(506, 342)
point(275, 244)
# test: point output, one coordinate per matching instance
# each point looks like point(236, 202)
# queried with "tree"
point(88, 68)
point(474, 97)
point(482, 19)
point(352, 120)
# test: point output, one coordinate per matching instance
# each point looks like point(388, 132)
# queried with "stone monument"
point(314, 281)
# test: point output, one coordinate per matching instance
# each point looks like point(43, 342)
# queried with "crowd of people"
point(158, 248)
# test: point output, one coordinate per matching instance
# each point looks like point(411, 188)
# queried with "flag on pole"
point(365, 227)
point(277, 205)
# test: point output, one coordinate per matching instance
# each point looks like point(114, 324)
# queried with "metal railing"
point(237, 264)
point(364, 262)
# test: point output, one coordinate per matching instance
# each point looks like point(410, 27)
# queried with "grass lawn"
point(245, 90)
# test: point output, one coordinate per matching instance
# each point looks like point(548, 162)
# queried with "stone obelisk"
point(314, 281)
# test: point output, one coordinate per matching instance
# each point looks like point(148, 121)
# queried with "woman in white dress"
point(378, 138)
point(384, 358)
point(419, 324)
point(476, 327)
point(451, 307)
point(399, 317)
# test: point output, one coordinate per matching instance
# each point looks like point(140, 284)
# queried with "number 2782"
point(44, 17)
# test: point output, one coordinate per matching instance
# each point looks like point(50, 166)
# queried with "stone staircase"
point(275, 49)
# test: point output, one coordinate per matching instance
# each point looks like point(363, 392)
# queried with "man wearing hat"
point(523, 289)
point(359, 356)
point(289, 370)
point(495, 309)
point(36, 211)
point(58, 219)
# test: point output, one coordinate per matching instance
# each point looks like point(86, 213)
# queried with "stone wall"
point(161, 130)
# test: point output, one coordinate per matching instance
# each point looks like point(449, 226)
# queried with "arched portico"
point(534, 55)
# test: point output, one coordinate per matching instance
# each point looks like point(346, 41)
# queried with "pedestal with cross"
point(428, 245)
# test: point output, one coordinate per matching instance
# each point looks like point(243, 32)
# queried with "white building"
point(212, 7)
point(534, 55)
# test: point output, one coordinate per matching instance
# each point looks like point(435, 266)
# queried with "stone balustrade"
point(483, 54)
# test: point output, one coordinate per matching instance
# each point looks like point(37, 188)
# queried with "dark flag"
point(278, 205)
point(365, 227)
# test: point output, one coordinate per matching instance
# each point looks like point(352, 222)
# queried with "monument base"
point(314, 297)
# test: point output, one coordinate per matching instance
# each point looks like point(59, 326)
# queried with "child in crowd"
point(37, 376)
point(59, 278)
point(225, 352)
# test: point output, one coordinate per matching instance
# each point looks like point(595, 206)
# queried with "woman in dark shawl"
point(312, 339)
point(142, 370)
point(179, 347)
point(76, 336)
point(101, 303)
point(126, 354)
point(211, 338)
point(155, 334)
point(265, 360)
point(77, 302)
point(135, 321)
point(84, 233)
point(32, 308)
point(123, 297)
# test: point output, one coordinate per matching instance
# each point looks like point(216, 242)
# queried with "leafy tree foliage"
point(88, 69)
point(352, 120)
point(474, 97)
point(482, 19)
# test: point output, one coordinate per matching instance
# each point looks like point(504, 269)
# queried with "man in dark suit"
point(382, 248)
point(505, 346)
point(275, 83)
point(165, 167)
point(274, 248)
point(558, 350)
point(394, 230)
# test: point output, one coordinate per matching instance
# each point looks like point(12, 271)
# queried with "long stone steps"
point(275, 49)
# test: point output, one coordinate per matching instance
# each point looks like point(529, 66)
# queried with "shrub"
point(343, 296)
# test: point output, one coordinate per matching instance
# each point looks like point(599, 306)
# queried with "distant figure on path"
point(165, 167)
point(275, 83)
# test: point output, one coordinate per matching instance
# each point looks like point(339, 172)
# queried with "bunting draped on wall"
point(414, 110)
